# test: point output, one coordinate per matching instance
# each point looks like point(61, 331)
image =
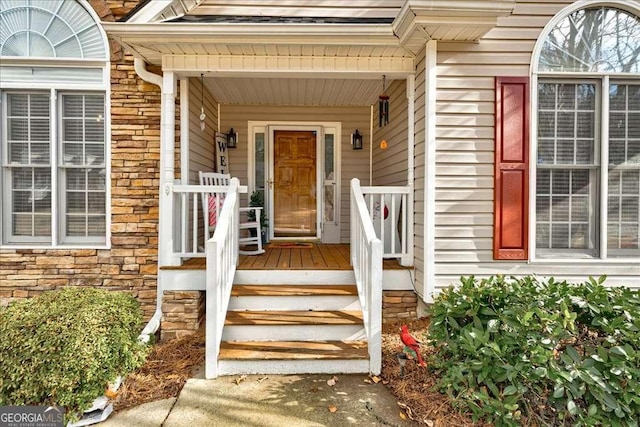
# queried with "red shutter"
point(511, 216)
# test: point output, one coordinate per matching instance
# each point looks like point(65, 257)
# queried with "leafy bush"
point(544, 353)
point(63, 347)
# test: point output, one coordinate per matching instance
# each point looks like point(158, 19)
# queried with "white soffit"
point(294, 91)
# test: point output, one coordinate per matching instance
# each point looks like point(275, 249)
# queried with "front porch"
point(309, 256)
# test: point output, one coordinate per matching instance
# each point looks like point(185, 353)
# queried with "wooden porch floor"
point(317, 257)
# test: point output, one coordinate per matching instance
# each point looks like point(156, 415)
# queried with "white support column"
point(431, 73)
point(411, 122)
point(184, 131)
point(167, 169)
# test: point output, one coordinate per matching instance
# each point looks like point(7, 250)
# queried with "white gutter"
point(360, 34)
point(154, 323)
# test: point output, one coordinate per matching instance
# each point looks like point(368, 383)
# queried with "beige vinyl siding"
point(465, 153)
point(201, 144)
point(390, 165)
point(355, 163)
point(419, 159)
point(325, 8)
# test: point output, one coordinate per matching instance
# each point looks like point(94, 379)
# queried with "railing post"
point(375, 308)
point(354, 188)
point(211, 310)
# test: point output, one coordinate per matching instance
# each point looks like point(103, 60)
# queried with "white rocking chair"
point(212, 205)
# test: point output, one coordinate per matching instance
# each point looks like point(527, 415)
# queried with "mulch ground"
point(416, 391)
point(167, 368)
point(172, 362)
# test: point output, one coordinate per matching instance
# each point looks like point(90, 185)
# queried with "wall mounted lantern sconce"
point(356, 140)
point(232, 138)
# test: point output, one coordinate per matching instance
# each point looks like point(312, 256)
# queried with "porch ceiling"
point(294, 91)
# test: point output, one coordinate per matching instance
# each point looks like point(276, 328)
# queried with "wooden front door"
point(294, 184)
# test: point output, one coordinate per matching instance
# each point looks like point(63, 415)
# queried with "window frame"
point(55, 89)
point(604, 80)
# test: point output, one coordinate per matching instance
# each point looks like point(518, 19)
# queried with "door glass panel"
point(329, 179)
point(259, 162)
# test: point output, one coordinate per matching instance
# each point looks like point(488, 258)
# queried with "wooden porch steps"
point(293, 350)
point(288, 318)
point(293, 328)
point(293, 290)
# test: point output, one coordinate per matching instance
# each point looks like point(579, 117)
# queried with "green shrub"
point(63, 347)
point(545, 353)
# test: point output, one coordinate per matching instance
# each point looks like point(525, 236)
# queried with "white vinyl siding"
point(201, 148)
point(419, 164)
point(390, 165)
point(465, 144)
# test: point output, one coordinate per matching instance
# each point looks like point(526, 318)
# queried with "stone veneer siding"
point(399, 305)
point(182, 313)
point(131, 263)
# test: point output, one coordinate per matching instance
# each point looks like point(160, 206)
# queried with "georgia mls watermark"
point(31, 416)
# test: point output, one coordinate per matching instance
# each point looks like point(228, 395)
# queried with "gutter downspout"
point(154, 323)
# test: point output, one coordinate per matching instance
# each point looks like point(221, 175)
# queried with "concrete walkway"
point(263, 401)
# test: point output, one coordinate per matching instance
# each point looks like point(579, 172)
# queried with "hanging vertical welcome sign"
point(222, 156)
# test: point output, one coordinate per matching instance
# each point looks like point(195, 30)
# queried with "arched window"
point(587, 83)
point(54, 75)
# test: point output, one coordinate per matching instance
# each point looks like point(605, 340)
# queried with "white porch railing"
point(389, 211)
point(192, 229)
point(366, 258)
point(222, 256)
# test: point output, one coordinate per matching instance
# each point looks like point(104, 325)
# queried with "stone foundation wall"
point(182, 313)
point(399, 305)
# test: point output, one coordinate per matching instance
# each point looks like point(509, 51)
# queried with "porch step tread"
point(293, 290)
point(292, 350)
point(292, 318)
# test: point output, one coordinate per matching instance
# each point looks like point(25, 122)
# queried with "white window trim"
point(535, 75)
point(103, 87)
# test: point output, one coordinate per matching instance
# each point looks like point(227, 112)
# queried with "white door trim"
point(269, 127)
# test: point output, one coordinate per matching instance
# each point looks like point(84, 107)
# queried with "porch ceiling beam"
point(299, 66)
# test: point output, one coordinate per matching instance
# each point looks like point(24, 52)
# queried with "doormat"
point(290, 245)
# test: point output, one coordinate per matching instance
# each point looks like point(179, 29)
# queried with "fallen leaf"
point(429, 423)
point(173, 377)
point(385, 382)
point(367, 380)
point(262, 379)
point(408, 410)
point(240, 379)
point(331, 382)
point(375, 379)
point(402, 415)
point(332, 409)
